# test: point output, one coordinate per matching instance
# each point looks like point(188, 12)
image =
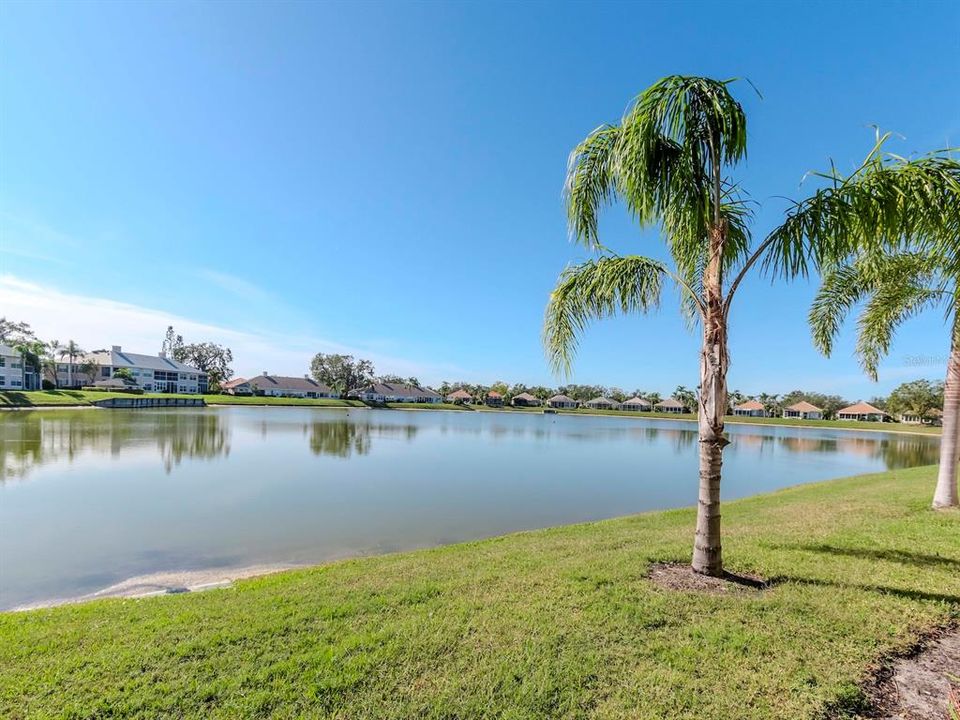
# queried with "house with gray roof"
point(283, 386)
point(381, 392)
point(602, 403)
point(152, 373)
point(563, 402)
point(638, 404)
point(670, 405)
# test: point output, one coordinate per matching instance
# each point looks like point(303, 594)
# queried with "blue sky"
point(386, 179)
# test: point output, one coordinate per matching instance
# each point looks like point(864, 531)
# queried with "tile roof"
point(230, 384)
point(749, 405)
point(459, 394)
point(526, 396)
point(121, 358)
point(803, 406)
point(601, 401)
point(670, 403)
point(561, 398)
point(638, 401)
point(861, 408)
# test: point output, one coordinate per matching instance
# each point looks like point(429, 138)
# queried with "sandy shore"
point(166, 583)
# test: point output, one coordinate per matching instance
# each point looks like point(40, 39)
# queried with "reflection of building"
point(803, 411)
point(153, 373)
point(11, 369)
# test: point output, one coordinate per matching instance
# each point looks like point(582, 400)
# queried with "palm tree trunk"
point(712, 405)
point(946, 494)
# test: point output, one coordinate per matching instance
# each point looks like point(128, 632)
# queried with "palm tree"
point(894, 288)
point(666, 161)
point(70, 350)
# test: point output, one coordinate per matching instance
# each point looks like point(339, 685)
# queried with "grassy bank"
point(552, 623)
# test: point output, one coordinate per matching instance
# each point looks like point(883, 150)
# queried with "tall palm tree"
point(894, 288)
point(667, 162)
point(71, 350)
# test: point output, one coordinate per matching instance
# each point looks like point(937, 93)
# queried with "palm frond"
point(887, 202)
point(593, 290)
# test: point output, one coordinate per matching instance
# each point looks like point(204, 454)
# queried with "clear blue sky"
point(386, 178)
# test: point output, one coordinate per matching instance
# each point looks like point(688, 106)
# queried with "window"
point(16, 365)
point(3, 361)
point(15, 383)
point(105, 372)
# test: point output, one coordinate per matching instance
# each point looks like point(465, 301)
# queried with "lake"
point(89, 498)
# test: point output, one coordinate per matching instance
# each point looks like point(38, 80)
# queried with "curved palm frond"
point(663, 160)
point(886, 310)
point(841, 288)
point(888, 202)
point(593, 290)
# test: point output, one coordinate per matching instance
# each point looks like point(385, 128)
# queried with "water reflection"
point(31, 439)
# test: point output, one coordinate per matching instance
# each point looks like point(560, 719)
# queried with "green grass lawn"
point(551, 623)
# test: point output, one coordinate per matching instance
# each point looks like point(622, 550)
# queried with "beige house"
point(459, 397)
point(281, 386)
point(638, 404)
point(602, 403)
point(525, 400)
point(803, 411)
point(562, 402)
point(863, 412)
point(670, 405)
point(751, 408)
point(494, 399)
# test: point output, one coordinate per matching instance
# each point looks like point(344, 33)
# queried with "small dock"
point(129, 403)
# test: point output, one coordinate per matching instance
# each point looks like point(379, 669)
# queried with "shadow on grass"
point(903, 557)
point(882, 589)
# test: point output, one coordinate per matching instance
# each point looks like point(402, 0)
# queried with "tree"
point(341, 372)
point(666, 161)
point(12, 332)
point(915, 398)
point(208, 357)
point(20, 336)
point(499, 387)
point(91, 369)
point(123, 373)
point(687, 397)
point(894, 288)
point(171, 343)
point(71, 350)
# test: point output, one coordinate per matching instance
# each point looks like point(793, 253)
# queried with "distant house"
point(864, 412)
point(11, 369)
point(562, 402)
point(396, 392)
point(281, 386)
point(931, 417)
point(525, 400)
point(602, 403)
point(460, 397)
point(751, 408)
point(638, 404)
point(803, 411)
point(494, 399)
point(237, 386)
point(670, 405)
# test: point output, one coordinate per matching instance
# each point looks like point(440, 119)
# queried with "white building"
point(153, 373)
point(11, 369)
point(396, 392)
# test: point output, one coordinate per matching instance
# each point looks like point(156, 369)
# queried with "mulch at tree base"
point(675, 576)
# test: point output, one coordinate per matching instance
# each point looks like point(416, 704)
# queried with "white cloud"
point(96, 322)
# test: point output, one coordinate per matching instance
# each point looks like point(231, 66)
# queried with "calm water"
point(89, 498)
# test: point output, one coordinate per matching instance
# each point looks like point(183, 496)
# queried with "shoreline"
point(630, 416)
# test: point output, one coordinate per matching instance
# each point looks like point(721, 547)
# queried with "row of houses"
point(859, 411)
point(307, 387)
point(564, 402)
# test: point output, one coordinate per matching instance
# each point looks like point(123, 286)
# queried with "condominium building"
point(152, 373)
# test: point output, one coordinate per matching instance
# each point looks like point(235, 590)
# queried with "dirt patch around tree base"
point(676, 576)
point(918, 686)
